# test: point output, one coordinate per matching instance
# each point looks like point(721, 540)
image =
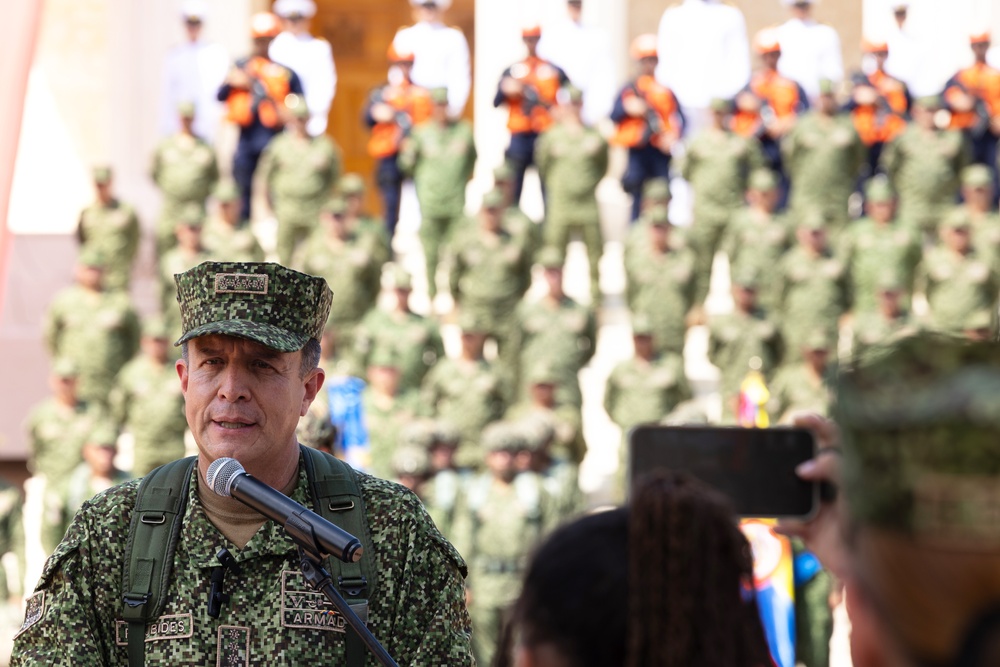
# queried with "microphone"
point(316, 535)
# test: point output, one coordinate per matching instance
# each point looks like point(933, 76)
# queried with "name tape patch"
point(174, 626)
point(241, 283)
point(33, 612)
point(302, 607)
point(233, 648)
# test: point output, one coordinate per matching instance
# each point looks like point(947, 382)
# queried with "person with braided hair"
point(665, 581)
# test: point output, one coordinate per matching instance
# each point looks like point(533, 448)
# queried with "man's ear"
point(313, 384)
point(182, 372)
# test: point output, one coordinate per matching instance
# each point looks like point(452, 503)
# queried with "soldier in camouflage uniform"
point(979, 211)
point(717, 163)
point(559, 476)
point(924, 163)
point(316, 429)
point(655, 193)
point(736, 338)
point(440, 156)
point(504, 519)
point(352, 188)
point(409, 468)
point(300, 171)
point(514, 218)
point(489, 269)
point(387, 410)
point(414, 341)
point(223, 237)
point(466, 392)
point(147, 401)
point(557, 330)
point(185, 171)
point(350, 263)
point(757, 237)
point(542, 405)
point(660, 281)
point(95, 328)
point(957, 279)
point(110, 227)
point(187, 254)
point(251, 333)
point(877, 241)
point(444, 490)
point(889, 320)
point(806, 384)
point(823, 156)
point(571, 159)
point(814, 283)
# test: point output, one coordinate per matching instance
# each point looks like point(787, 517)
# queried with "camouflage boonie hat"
point(979, 320)
point(551, 257)
point(763, 180)
point(920, 423)
point(103, 435)
point(263, 302)
point(296, 105)
point(351, 184)
point(439, 95)
point(411, 461)
point(569, 94)
point(384, 358)
point(977, 176)
point(502, 436)
point(226, 191)
point(889, 280)
point(656, 189)
point(102, 174)
point(65, 367)
point(185, 109)
point(879, 189)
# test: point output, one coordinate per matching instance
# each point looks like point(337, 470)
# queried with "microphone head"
point(220, 475)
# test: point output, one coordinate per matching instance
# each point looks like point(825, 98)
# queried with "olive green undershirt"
point(237, 522)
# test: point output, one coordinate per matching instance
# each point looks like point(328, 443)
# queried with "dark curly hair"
point(664, 582)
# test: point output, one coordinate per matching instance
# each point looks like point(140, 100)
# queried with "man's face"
point(261, 45)
point(192, 26)
point(491, 218)
point(230, 211)
point(979, 49)
point(64, 388)
point(531, 43)
point(745, 297)
point(880, 58)
point(889, 301)
point(501, 464)
point(958, 238)
point(100, 459)
point(155, 348)
point(105, 191)
point(188, 237)
point(91, 277)
point(442, 456)
point(770, 59)
point(554, 279)
point(648, 65)
point(816, 357)
point(827, 104)
point(384, 379)
point(427, 13)
point(881, 211)
point(402, 298)
point(243, 400)
point(472, 344)
point(543, 393)
point(979, 197)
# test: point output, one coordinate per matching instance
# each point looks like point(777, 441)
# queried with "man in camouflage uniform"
point(758, 237)
point(557, 330)
point(924, 163)
point(514, 218)
point(655, 193)
point(147, 402)
point(409, 468)
point(414, 341)
point(440, 156)
point(717, 164)
point(572, 159)
point(504, 518)
point(248, 328)
point(223, 237)
point(877, 241)
point(957, 279)
point(316, 428)
point(110, 226)
point(185, 171)
point(387, 410)
point(660, 281)
point(890, 318)
point(187, 254)
point(541, 404)
point(979, 211)
point(466, 392)
point(559, 477)
point(805, 384)
point(814, 283)
point(95, 328)
point(300, 171)
point(350, 263)
point(444, 490)
point(489, 270)
point(738, 338)
point(823, 156)
point(352, 188)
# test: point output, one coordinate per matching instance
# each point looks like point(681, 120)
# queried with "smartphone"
point(753, 467)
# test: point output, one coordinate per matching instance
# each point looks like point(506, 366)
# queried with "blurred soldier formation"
point(849, 213)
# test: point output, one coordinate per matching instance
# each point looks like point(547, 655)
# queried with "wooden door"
point(360, 33)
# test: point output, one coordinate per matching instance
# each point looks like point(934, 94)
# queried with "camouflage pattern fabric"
point(795, 388)
point(413, 341)
point(814, 294)
point(736, 338)
point(661, 287)
point(418, 611)
point(113, 230)
point(640, 392)
point(756, 243)
point(56, 433)
point(957, 286)
point(228, 243)
point(868, 248)
point(185, 170)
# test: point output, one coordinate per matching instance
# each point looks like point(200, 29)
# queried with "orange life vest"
point(981, 81)
point(781, 94)
point(635, 131)
point(892, 90)
point(875, 125)
point(745, 123)
point(408, 99)
point(543, 80)
point(270, 85)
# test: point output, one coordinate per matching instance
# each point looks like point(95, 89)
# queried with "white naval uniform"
point(440, 60)
point(312, 59)
point(193, 72)
point(810, 51)
point(704, 54)
point(584, 53)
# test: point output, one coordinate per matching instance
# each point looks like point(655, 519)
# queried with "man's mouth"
point(232, 425)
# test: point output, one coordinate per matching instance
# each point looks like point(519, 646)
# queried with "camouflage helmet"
point(421, 433)
point(410, 460)
point(502, 436)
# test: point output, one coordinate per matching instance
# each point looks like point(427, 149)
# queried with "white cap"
point(286, 8)
point(441, 4)
point(789, 3)
point(899, 4)
point(194, 9)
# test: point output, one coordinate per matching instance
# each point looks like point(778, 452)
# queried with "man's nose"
point(233, 385)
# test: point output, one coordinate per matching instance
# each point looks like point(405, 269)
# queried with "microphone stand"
point(310, 559)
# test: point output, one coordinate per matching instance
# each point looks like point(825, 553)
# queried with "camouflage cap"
point(102, 174)
point(658, 215)
point(642, 325)
point(930, 102)
point(819, 339)
point(92, 256)
point(504, 173)
point(263, 302)
point(65, 367)
point(384, 357)
point(827, 87)
point(470, 322)
point(889, 280)
point(446, 433)
point(746, 276)
point(763, 180)
point(570, 94)
point(334, 206)
point(296, 105)
point(542, 373)
point(957, 218)
point(979, 320)
point(537, 432)
point(494, 199)
point(977, 176)
point(351, 184)
point(191, 215)
point(103, 435)
point(226, 191)
point(421, 433)
point(502, 436)
point(920, 423)
point(878, 190)
point(411, 461)
point(657, 189)
point(813, 219)
point(550, 257)
point(185, 109)
point(439, 95)
point(400, 278)
point(155, 327)
point(721, 105)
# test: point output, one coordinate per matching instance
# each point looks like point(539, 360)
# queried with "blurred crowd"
point(848, 211)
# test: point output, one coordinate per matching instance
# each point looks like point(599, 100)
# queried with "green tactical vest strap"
point(337, 498)
point(149, 553)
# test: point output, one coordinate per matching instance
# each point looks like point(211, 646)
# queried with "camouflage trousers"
point(295, 223)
